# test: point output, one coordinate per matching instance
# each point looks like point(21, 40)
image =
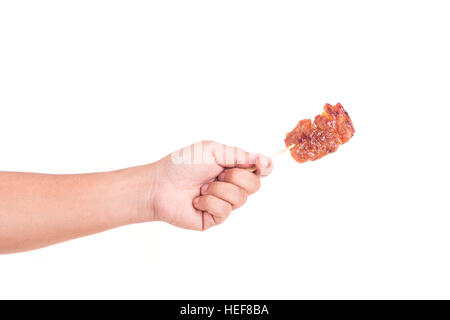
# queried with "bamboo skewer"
point(275, 155)
point(282, 151)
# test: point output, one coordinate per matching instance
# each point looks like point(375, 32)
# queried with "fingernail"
point(264, 161)
point(222, 176)
point(196, 200)
point(205, 188)
point(252, 158)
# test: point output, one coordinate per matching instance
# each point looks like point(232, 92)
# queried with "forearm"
point(38, 210)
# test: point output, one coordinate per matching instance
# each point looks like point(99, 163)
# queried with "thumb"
point(264, 165)
point(230, 157)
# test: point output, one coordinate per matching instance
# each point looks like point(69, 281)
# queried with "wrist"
point(136, 187)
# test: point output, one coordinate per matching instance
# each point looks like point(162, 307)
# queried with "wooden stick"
point(282, 151)
point(275, 155)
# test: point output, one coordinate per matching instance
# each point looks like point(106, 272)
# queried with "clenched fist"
point(198, 186)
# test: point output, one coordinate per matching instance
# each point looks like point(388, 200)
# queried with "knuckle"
point(219, 220)
point(232, 174)
point(208, 200)
point(242, 196)
point(257, 184)
point(226, 209)
point(217, 189)
point(213, 188)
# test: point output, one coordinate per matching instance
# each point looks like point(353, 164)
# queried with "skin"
point(38, 210)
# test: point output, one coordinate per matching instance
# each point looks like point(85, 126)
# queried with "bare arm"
point(38, 210)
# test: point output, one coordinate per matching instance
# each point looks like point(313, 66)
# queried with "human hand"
point(198, 186)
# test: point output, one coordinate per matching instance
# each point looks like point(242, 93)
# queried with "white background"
point(100, 85)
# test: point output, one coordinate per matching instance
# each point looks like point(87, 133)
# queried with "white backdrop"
point(100, 85)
